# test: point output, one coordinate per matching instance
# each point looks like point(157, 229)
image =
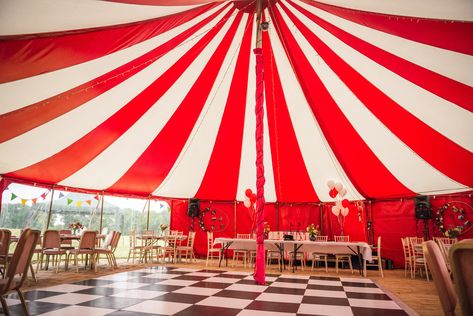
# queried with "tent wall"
point(390, 219)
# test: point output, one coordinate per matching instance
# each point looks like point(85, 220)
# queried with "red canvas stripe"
point(446, 88)
point(447, 34)
point(408, 128)
point(66, 162)
point(27, 118)
point(226, 154)
point(26, 56)
point(286, 155)
point(151, 168)
point(364, 169)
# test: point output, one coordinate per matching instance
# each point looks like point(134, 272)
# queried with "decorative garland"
point(217, 223)
point(457, 230)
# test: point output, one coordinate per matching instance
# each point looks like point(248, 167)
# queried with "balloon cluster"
point(250, 199)
point(337, 191)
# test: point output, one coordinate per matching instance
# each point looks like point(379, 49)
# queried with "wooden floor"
point(417, 294)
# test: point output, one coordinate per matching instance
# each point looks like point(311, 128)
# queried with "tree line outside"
point(16, 216)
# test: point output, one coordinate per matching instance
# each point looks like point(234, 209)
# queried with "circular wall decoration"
point(212, 220)
point(451, 219)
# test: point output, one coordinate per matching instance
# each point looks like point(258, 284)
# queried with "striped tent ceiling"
point(157, 97)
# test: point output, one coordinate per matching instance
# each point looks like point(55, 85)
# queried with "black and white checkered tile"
point(180, 291)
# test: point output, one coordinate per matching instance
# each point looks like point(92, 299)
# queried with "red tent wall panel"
point(394, 220)
point(355, 225)
point(298, 216)
point(181, 221)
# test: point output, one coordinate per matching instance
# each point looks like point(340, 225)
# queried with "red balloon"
point(253, 198)
point(345, 203)
point(333, 193)
point(248, 192)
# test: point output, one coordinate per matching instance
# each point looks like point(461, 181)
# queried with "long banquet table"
point(361, 249)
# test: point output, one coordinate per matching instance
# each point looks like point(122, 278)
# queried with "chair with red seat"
point(86, 247)
point(52, 247)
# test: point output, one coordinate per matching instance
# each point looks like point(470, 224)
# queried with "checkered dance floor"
point(180, 291)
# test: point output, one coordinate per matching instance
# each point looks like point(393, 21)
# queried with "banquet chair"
point(243, 253)
point(298, 255)
point(446, 240)
point(441, 277)
point(51, 246)
point(418, 258)
point(211, 250)
point(86, 247)
point(188, 250)
point(67, 243)
point(320, 257)
point(376, 259)
point(461, 255)
point(342, 258)
point(134, 248)
point(108, 249)
point(19, 264)
point(444, 250)
point(5, 235)
point(407, 256)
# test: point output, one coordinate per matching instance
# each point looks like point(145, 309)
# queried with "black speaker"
point(193, 209)
point(422, 206)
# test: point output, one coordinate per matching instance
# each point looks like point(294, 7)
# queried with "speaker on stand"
point(423, 211)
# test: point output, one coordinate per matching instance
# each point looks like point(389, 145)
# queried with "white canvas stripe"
point(432, 9)
point(400, 160)
point(43, 86)
point(197, 151)
point(129, 147)
point(40, 16)
point(448, 63)
point(427, 107)
point(319, 159)
point(247, 175)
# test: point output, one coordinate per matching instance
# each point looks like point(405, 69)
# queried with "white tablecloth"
point(329, 247)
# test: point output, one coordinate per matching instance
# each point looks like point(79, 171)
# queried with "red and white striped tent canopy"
point(157, 97)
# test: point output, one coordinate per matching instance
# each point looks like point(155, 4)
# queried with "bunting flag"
point(88, 202)
point(34, 201)
point(96, 197)
point(61, 195)
point(23, 202)
point(44, 195)
point(69, 201)
point(79, 203)
point(13, 196)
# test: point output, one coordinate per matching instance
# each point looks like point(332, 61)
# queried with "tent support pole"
point(147, 218)
point(50, 208)
point(321, 219)
point(101, 215)
point(234, 218)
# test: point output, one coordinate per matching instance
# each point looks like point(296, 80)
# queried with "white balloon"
point(335, 210)
point(343, 192)
point(247, 202)
point(345, 211)
point(338, 186)
point(330, 184)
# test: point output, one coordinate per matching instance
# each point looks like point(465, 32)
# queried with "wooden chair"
point(66, 244)
point(5, 235)
point(407, 256)
point(51, 246)
point(188, 250)
point(243, 253)
point(19, 264)
point(441, 276)
point(86, 247)
point(342, 258)
point(108, 249)
point(461, 257)
point(418, 260)
point(211, 250)
point(134, 249)
point(320, 257)
point(376, 259)
point(446, 240)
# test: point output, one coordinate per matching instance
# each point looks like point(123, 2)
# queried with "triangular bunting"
point(34, 201)
point(13, 196)
point(69, 201)
point(88, 202)
point(44, 195)
point(96, 197)
point(61, 195)
point(23, 202)
point(79, 203)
